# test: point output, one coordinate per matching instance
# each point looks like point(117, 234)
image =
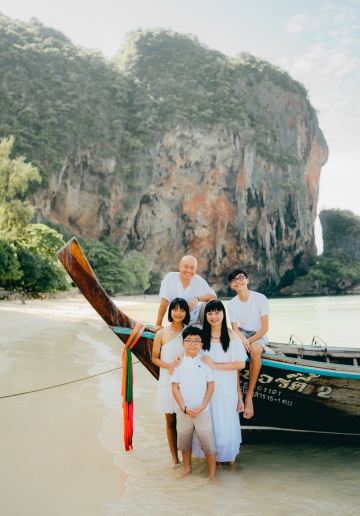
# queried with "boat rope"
point(65, 383)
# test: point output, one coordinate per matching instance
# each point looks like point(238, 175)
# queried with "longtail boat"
point(301, 389)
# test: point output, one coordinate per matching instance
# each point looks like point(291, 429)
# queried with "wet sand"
point(62, 451)
point(52, 460)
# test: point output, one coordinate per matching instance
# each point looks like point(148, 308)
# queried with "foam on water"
point(273, 479)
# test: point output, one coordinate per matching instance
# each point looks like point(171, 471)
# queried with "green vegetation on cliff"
point(28, 259)
point(56, 98)
point(341, 229)
point(336, 272)
point(178, 80)
point(72, 111)
point(27, 251)
point(338, 269)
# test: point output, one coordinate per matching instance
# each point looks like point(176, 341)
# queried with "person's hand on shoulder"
point(177, 360)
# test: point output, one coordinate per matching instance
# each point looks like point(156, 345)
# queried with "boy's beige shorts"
point(186, 425)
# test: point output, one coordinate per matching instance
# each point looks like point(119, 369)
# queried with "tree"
point(335, 270)
point(139, 268)
point(116, 273)
point(36, 245)
point(15, 178)
point(9, 264)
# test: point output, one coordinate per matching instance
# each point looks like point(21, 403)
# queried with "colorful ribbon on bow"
point(127, 385)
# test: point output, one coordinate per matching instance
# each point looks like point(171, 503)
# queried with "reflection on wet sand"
point(62, 450)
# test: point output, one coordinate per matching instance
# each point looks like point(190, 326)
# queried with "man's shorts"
point(249, 334)
point(185, 426)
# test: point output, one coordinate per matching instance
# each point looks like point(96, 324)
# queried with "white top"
point(192, 376)
point(223, 403)
point(171, 287)
point(166, 403)
point(248, 315)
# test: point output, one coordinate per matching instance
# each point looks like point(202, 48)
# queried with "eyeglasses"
point(196, 342)
point(238, 278)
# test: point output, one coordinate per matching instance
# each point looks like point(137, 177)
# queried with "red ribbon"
point(128, 385)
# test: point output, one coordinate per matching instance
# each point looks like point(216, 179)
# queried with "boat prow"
point(74, 261)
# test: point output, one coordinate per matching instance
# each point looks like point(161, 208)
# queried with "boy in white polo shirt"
point(193, 386)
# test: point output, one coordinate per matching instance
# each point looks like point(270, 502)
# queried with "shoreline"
point(121, 300)
point(136, 299)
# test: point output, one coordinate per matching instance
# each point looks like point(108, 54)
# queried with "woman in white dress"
point(168, 344)
point(224, 352)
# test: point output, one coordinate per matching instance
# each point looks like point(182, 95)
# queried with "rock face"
point(170, 149)
point(341, 229)
point(215, 198)
point(210, 194)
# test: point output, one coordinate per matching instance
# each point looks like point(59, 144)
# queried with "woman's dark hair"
point(181, 303)
point(215, 306)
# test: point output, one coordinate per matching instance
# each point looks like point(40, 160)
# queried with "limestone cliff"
point(341, 229)
point(210, 195)
point(170, 149)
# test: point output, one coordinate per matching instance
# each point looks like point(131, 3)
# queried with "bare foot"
point(240, 405)
point(231, 462)
point(184, 473)
point(214, 480)
point(249, 408)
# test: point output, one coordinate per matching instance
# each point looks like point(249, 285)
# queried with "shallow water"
point(44, 343)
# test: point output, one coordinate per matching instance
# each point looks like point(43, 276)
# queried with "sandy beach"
point(62, 450)
point(52, 461)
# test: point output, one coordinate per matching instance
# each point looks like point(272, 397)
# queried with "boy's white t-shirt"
point(248, 315)
point(192, 376)
point(171, 287)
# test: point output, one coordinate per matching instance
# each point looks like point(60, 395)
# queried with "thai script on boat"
point(296, 382)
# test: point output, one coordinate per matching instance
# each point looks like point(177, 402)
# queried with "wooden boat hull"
point(74, 261)
point(295, 397)
point(292, 395)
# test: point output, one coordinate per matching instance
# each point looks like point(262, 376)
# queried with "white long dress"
point(166, 403)
point(223, 403)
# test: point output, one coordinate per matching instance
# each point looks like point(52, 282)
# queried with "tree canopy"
point(15, 178)
point(56, 98)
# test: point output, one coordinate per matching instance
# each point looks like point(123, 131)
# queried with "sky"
point(316, 41)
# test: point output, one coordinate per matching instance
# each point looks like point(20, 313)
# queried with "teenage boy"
point(193, 386)
point(249, 317)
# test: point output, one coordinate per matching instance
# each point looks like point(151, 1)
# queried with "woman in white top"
point(168, 344)
point(224, 352)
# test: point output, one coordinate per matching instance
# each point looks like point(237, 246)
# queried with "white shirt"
point(171, 287)
point(192, 376)
point(248, 315)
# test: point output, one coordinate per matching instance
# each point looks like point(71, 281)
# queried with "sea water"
point(273, 479)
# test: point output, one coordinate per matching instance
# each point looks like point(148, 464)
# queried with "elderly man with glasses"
point(249, 316)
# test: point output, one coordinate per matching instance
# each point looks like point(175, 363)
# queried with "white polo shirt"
point(192, 376)
point(171, 287)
